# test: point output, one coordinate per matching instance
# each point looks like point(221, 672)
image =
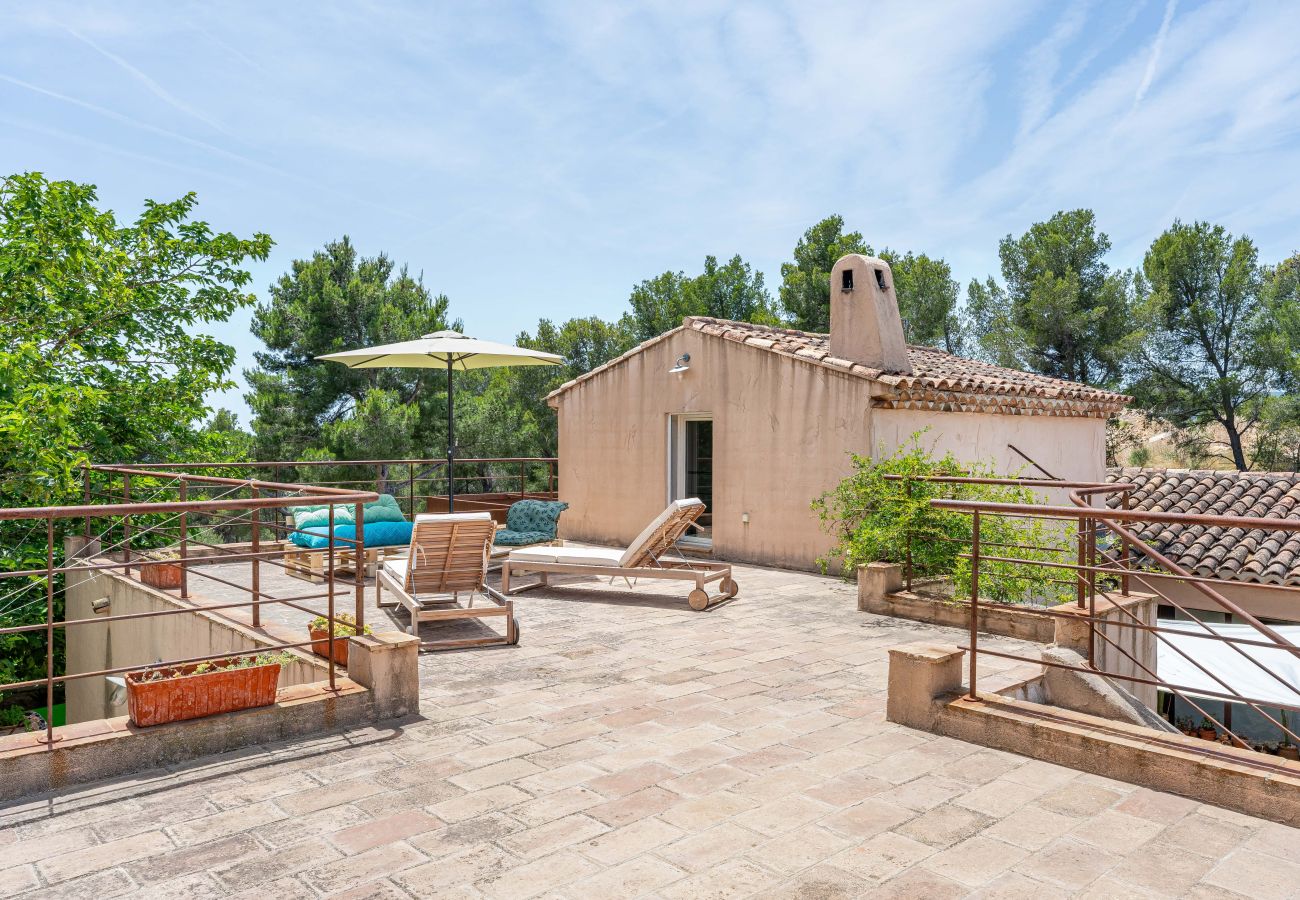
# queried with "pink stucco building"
point(759, 421)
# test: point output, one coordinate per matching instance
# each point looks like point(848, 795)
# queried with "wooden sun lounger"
point(644, 558)
point(448, 556)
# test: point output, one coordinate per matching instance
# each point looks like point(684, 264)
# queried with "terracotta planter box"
point(193, 696)
point(320, 645)
point(161, 575)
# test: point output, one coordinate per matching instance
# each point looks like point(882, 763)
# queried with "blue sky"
point(539, 160)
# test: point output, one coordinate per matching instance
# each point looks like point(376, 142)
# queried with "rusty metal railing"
point(135, 523)
point(1105, 572)
point(408, 480)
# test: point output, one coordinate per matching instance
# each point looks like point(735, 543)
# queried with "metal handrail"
point(1087, 569)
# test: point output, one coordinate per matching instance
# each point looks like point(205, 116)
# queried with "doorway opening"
point(690, 470)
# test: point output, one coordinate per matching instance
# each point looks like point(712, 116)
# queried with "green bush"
point(872, 514)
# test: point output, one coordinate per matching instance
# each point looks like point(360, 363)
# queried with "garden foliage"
point(873, 512)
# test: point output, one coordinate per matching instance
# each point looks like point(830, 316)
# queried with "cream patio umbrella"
point(449, 349)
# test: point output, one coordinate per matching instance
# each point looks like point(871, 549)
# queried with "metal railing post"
point(126, 525)
point(908, 571)
point(1092, 595)
point(1126, 558)
point(49, 632)
point(974, 599)
point(185, 543)
point(1081, 585)
point(256, 572)
point(329, 625)
point(359, 551)
point(85, 492)
point(410, 491)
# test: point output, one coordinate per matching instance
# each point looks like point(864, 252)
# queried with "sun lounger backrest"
point(449, 552)
point(662, 533)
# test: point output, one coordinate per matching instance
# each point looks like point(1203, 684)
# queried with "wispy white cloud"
point(153, 86)
point(594, 144)
point(1156, 47)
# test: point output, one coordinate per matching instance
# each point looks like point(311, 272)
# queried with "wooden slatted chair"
point(448, 557)
point(644, 558)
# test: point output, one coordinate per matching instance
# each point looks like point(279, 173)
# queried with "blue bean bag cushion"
point(385, 509)
point(378, 534)
point(531, 522)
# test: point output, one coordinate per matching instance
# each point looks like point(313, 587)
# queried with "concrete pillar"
point(388, 665)
point(1072, 630)
point(922, 677)
point(875, 580)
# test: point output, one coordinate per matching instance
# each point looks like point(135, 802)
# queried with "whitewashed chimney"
point(865, 325)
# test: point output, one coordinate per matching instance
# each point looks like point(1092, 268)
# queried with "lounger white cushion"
point(396, 569)
point(453, 517)
point(634, 549)
point(575, 556)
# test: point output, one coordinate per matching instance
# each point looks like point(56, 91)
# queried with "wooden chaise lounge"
point(643, 558)
point(448, 557)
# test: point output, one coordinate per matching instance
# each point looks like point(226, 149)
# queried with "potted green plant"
point(1186, 726)
point(159, 571)
point(1286, 749)
point(1206, 730)
point(345, 626)
point(160, 694)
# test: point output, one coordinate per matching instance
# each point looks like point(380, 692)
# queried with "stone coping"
point(384, 685)
point(926, 691)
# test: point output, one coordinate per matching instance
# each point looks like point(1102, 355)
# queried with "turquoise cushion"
point(533, 517)
point(380, 534)
point(319, 516)
point(507, 537)
point(385, 509)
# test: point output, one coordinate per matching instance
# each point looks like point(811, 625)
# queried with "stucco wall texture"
point(783, 432)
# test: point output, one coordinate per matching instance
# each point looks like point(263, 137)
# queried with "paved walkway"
point(630, 747)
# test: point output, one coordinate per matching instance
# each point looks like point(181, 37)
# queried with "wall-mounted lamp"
point(681, 365)
point(117, 696)
point(102, 606)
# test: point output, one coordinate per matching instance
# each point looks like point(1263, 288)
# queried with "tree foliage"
point(339, 300)
point(731, 290)
point(100, 350)
point(806, 282)
point(882, 510)
point(1210, 350)
point(102, 357)
point(927, 300)
point(1063, 312)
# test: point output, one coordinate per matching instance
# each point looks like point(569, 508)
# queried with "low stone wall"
point(384, 684)
point(926, 691)
point(95, 647)
point(880, 591)
point(1118, 648)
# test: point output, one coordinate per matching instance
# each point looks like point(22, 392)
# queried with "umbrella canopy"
point(444, 349)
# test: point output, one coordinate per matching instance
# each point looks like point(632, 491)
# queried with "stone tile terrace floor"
point(630, 747)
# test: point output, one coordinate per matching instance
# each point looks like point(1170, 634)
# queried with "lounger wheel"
point(698, 599)
point(729, 587)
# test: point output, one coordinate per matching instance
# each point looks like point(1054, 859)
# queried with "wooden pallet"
point(313, 565)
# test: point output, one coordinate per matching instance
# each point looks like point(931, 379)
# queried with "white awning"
point(1224, 660)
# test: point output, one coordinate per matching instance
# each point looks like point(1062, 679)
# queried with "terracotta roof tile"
point(938, 381)
point(1235, 554)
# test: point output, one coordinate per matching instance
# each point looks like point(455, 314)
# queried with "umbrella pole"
point(451, 442)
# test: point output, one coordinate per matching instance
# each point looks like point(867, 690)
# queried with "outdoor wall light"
point(117, 696)
point(681, 365)
point(102, 606)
